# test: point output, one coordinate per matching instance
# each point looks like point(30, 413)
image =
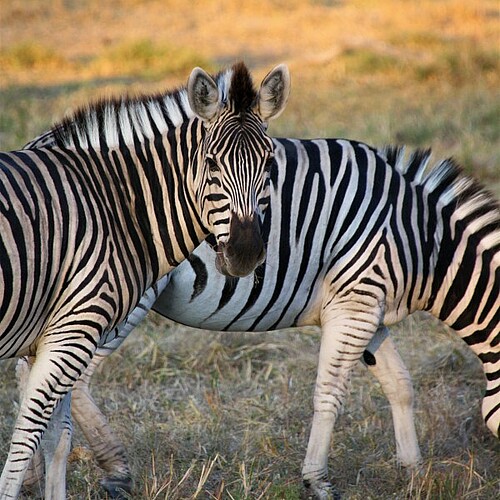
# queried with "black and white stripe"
point(357, 239)
point(89, 224)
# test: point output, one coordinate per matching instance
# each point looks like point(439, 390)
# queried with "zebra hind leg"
point(56, 444)
point(34, 479)
point(385, 363)
point(107, 448)
point(491, 401)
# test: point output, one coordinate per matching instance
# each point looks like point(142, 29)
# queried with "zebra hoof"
point(117, 487)
point(322, 490)
point(413, 471)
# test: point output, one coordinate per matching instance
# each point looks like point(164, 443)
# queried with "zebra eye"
point(269, 164)
point(212, 165)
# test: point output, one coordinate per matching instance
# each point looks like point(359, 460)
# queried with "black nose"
point(244, 250)
point(244, 239)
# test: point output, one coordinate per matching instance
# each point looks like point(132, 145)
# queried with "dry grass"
point(209, 415)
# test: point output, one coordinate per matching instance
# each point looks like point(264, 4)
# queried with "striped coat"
point(130, 188)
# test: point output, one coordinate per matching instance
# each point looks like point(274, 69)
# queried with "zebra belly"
point(201, 297)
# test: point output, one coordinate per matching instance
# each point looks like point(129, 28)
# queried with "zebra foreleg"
point(345, 334)
point(56, 368)
point(54, 447)
point(385, 363)
point(108, 449)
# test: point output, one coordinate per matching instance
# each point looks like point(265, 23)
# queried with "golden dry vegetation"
point(211, 415)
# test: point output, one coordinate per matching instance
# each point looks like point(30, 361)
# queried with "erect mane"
point(446, 181)
point(107, 122)
point(242, 93)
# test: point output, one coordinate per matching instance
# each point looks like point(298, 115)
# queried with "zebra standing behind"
point(358, 238)
point(129, 190)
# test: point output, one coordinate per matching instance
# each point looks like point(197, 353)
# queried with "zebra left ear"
point(273, 93)
point(203, 94)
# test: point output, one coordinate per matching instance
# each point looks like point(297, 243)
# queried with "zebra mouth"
point(244, 249)
point(238, 266)
point(221, 262)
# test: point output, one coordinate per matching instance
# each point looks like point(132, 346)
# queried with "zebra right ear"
point(273, 93)
point(203, 94)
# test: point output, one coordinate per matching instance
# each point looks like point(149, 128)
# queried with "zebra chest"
point(93, 282)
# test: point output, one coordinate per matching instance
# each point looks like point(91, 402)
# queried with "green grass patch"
point(367, 61)
point(29, 56)
point(139, 59)
point(458, 63)
point(144, 58)
point(419, 40)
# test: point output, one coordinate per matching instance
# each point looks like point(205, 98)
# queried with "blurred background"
point(207, 415)
point(423, 73)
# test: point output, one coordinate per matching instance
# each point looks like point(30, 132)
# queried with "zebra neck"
point(462, 293)
point(149, 189)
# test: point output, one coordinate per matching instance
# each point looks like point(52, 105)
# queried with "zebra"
point(130, 188)
point(358, 238)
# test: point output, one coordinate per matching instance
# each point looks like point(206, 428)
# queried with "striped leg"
point(385, 363)
point(34, 478)
point(491, 402)
point(56, 368)
point(55, 444)
point(346, 332)
point(107, 448)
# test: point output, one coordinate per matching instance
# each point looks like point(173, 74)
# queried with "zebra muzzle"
point(244, 250)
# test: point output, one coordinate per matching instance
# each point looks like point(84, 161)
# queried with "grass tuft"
point(362, 60)
point(146, 59)
point(458, 63)
point(227, 416)
point(30, 55)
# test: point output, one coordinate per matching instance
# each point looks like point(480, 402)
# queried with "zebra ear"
point(273, 93)
point(203, 94)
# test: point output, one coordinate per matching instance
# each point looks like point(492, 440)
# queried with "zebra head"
point(234, 158)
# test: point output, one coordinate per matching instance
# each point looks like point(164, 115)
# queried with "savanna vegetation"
point(211, 415)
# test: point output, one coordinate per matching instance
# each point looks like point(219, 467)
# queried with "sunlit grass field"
point(209, 415)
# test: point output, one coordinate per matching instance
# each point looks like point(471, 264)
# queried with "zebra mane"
point(104, 121)
point(242, 93)
point(446, 180)
point(111, 120)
